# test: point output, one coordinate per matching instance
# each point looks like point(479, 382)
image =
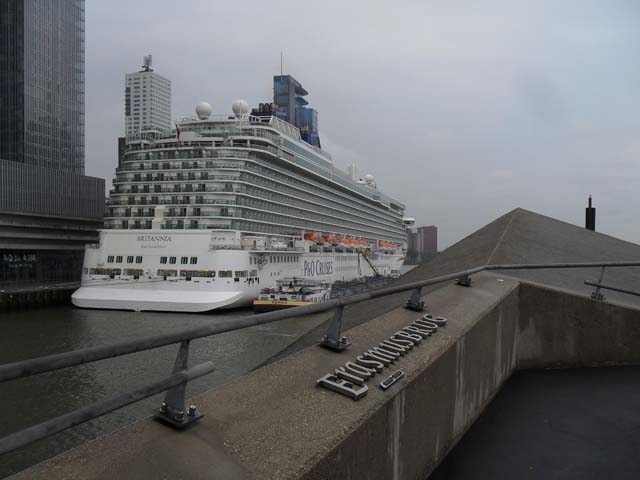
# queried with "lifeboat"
point(360, 243)
point(313, 236)
point(328, 238)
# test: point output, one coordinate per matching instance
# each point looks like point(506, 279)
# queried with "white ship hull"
point(144, 270)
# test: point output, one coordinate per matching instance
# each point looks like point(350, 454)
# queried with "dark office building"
point(427, 241)
point(422, 244)
point(48, 209)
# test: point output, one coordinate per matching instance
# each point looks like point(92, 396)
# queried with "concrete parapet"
point(559, 329)
point(274, 423)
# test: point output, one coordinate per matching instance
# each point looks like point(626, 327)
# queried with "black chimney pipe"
point(590, 217)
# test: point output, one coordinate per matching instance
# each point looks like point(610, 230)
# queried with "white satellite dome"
point(240, 107)
point(203, 110)
point(368, 178)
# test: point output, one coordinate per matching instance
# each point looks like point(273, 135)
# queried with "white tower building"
point(147, 100)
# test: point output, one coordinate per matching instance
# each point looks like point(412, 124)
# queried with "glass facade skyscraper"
point(49, 210)
point(42, 83)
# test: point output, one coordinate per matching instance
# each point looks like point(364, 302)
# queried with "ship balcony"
point(203, 201)
point(187, 226)
point(176, 178)
point(160, 168)
point(203, 214)
point(208, 213)
point(139, 226)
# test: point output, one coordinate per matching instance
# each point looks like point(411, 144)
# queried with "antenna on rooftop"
point(590, 216)
point(280, 63)
point(146, 63)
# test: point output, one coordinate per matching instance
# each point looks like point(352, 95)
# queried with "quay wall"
point(35, 298)
point(276, 423)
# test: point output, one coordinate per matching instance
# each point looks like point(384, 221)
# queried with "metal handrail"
point(68, 420)
point(48, 363)
point(181, 375)
point(613, 288)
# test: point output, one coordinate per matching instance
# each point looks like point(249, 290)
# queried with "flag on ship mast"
point(177, 132)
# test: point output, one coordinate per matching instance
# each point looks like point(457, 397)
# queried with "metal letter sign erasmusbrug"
point(350, 378)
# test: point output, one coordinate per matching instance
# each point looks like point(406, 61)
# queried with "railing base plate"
point(186, 422)
point(335, 345)
point(416, 307)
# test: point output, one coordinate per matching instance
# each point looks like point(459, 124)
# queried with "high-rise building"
point(427, 241)
point(42, 83)
point(147, 100)
point(422, 244)
point(290, 106)
point(49, 209)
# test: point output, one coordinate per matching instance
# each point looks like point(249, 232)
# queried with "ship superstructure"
point(206, 215)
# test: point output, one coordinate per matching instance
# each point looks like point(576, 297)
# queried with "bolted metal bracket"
point(173, 411)
point(464, 280)
point(333, 339)
point(596, 295)
point(415, 302)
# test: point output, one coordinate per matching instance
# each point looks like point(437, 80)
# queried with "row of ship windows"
point(275, 259)
point(136, 272)
point(118, 259)
point(138, 259)
point(183, 260)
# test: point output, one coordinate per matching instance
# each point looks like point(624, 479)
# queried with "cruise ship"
point(207, 215)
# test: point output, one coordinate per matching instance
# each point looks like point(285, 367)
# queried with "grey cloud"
point(462, 109)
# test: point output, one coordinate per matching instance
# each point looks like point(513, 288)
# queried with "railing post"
point(333, 340)
point(172, 411)
point(464, 280)
point(596, 295)
point(415, 302)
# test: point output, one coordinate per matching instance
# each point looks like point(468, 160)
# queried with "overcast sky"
point(464, 110)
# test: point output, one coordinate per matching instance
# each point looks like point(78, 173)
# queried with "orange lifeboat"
point(328, 238)
point(313, 236)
